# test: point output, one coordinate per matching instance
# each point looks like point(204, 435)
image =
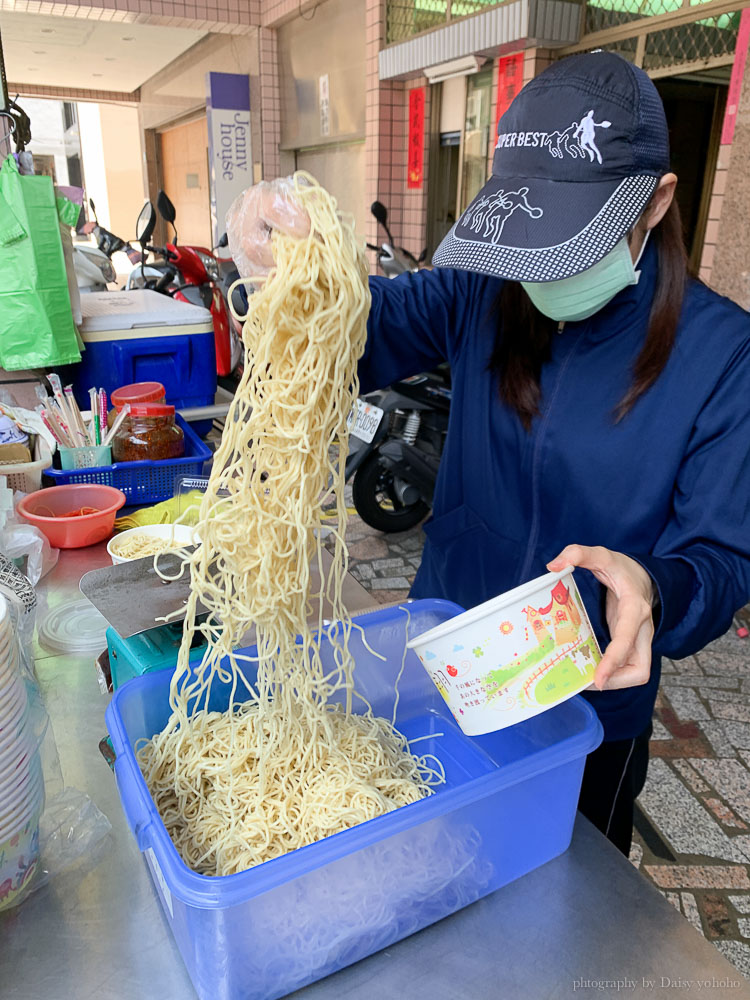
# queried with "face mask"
point(579, 297)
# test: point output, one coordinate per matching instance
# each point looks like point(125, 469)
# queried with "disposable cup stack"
point(21, 781)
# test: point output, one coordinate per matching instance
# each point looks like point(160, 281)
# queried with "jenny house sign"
point(229, 146)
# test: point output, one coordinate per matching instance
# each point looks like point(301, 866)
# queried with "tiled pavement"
point(692, 836)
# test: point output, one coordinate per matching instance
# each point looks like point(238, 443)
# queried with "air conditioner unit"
point(464, 66)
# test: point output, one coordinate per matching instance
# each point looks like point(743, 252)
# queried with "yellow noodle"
point(143, 544)
point(290, 763)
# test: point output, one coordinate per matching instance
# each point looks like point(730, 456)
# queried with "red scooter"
point(189, 274)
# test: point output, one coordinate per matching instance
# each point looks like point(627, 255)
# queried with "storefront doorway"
point(184, 176)
point(461, 128)
point(694, 106)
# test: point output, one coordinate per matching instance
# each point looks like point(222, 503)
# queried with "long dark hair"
point(522, 341)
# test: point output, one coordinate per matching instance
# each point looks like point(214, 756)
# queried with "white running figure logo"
point(587, 130)
point(577, 140)
point(491, 212)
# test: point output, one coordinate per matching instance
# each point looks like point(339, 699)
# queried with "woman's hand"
point(252, 218)
point(627, 659)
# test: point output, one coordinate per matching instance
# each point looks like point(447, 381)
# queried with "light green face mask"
point(579, 297)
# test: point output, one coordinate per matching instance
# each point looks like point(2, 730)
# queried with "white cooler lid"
point(139, 309)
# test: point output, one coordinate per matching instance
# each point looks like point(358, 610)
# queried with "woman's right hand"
point(252, 218)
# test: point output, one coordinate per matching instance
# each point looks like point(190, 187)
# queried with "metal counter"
point(585, 924)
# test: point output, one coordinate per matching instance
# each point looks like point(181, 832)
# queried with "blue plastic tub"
point(508, 807)
point(143, 482)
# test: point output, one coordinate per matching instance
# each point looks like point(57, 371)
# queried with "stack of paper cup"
point(21, 782)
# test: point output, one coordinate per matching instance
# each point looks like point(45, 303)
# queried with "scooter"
point(93, 268)
point(93, 265)
point(189, 274)
point(108, 243)
point(397, 434)
point(400, 434)
point(393, 260)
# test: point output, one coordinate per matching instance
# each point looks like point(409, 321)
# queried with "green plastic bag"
point(36, 320)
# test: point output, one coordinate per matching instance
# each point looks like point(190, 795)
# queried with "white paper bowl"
point(10, 663)
point(19, 732)
point(182, 533)
point(18, 811)
point(513, 656)
point(13, 754)
point(32, 802)
point(10, 695)
point(12, 709)
point(19, 773)
point(11, 716)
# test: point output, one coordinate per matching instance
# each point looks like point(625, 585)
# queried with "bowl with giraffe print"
point(513, 656)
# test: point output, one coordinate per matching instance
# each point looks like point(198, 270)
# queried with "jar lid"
point(138, 392)
point(151, 410)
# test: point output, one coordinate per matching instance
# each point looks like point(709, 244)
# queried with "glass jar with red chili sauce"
point(149, 433)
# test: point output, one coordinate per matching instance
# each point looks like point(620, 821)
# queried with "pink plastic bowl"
point(43, 509)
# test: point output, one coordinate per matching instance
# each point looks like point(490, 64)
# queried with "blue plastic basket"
point(508, 806)
point(143, 482)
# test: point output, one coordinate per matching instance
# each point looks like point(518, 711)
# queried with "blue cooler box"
point(508, 806)
point(142, 336)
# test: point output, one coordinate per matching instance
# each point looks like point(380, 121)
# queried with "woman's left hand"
point(627, 659)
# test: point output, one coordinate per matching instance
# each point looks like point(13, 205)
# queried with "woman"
point(601, 400)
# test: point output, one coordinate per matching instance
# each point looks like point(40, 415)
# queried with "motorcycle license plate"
point(364, 420)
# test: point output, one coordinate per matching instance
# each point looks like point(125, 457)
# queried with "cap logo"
point(577, 140)
point(490, 213)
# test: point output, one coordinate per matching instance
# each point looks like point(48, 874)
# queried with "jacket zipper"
point(536, 462)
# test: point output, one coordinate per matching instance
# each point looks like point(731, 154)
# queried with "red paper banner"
point(415, 174)
point(735, 82)
point(509, 82)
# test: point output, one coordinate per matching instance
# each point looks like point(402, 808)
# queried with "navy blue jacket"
point(669, 485)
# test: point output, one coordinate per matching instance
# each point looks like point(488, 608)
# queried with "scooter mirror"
point(166, 208)
point(224, 241)
point(380, 212)
point(144, 227)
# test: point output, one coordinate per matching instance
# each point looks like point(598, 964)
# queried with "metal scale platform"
point(135, 600)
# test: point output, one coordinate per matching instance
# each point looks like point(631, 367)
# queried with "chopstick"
point(124, 412)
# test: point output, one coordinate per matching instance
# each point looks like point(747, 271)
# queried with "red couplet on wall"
point(735, 84)
point(415, 177)
point(509, 82)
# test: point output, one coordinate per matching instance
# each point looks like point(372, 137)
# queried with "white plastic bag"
point(19, 540)
point(252, 218)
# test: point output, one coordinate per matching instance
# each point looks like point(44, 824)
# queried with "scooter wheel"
point(376, 499)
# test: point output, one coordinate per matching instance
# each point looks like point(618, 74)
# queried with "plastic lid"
point(151, 410)
point(138, 392)
point(74, 627)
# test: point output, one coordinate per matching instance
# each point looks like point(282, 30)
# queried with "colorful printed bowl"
point(513, 656)
point(19, 857)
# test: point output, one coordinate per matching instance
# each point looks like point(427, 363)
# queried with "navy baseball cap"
point(579, 153)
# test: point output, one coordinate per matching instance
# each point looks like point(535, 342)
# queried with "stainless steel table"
point(586, 924)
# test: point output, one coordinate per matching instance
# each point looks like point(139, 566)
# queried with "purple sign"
point(229, 143)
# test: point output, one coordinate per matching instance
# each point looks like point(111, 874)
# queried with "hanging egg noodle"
point(287, 766)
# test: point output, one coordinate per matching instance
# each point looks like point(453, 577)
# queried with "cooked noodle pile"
point(288, 765)
point(140, 545)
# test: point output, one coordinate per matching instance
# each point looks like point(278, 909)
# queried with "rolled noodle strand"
point(290, 762)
